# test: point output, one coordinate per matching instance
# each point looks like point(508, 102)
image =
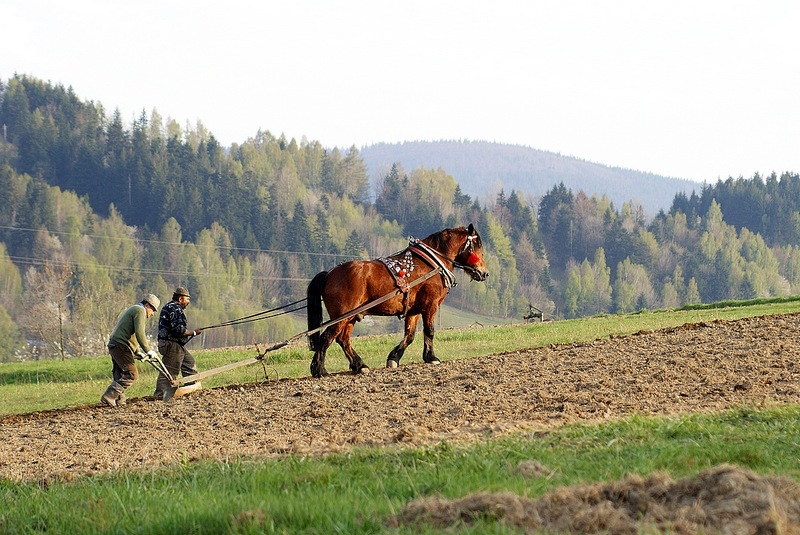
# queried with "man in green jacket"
point(126, 342)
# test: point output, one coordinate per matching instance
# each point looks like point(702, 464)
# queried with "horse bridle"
point(468, 248)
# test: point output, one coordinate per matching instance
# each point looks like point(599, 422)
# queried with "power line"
point(181, 244)
point(27, 261)
point(34, 261)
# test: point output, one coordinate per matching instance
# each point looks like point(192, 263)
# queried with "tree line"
point(98, 212)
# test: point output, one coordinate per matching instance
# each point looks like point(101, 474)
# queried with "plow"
point(184, 385)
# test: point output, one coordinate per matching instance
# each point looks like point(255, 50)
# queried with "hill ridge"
point(483, 168)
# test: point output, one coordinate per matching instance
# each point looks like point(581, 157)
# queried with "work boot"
point(112, 394)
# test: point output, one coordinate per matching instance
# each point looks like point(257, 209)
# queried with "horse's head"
point(470, 256)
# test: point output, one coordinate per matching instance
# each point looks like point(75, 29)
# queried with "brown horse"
point(413, 282)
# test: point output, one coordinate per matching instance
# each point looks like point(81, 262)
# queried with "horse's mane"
point(437, 239)
point(440, 240)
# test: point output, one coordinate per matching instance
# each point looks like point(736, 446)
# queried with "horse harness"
point(401, 267)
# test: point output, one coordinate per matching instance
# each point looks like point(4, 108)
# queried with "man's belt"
point(181, 342)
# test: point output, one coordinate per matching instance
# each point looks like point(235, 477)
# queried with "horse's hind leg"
point(325, 341)
point(356, 363)
point(318, 364)
point(393, 360)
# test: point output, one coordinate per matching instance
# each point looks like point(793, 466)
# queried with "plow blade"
point(177, 389)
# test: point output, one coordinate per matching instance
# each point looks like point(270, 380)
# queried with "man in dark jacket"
point(172, 338)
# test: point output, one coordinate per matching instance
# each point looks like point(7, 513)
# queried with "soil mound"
point(725, 499)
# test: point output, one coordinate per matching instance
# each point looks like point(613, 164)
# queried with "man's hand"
point(152, 355)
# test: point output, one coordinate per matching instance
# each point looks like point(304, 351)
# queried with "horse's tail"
point(314, 295)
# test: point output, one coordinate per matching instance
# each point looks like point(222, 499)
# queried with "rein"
point(265, 314)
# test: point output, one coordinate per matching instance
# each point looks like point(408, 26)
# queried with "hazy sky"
point(698, 89)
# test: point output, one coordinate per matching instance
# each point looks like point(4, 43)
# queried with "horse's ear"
point(471, 229)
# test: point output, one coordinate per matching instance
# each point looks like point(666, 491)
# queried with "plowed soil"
point(694, 368)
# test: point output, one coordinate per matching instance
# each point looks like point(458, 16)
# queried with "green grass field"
point(357, 491)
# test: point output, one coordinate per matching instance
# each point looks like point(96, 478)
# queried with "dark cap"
point(180, 290)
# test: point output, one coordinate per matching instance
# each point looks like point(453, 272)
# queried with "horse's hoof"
point(434, 361)
point(392, 364)
point(364, 370)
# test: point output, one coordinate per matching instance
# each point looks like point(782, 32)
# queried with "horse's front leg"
point(356, 363)
point(427, 331)
point(393, 360)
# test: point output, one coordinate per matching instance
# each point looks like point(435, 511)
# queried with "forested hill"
point(96, 212)
point(482, 169)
